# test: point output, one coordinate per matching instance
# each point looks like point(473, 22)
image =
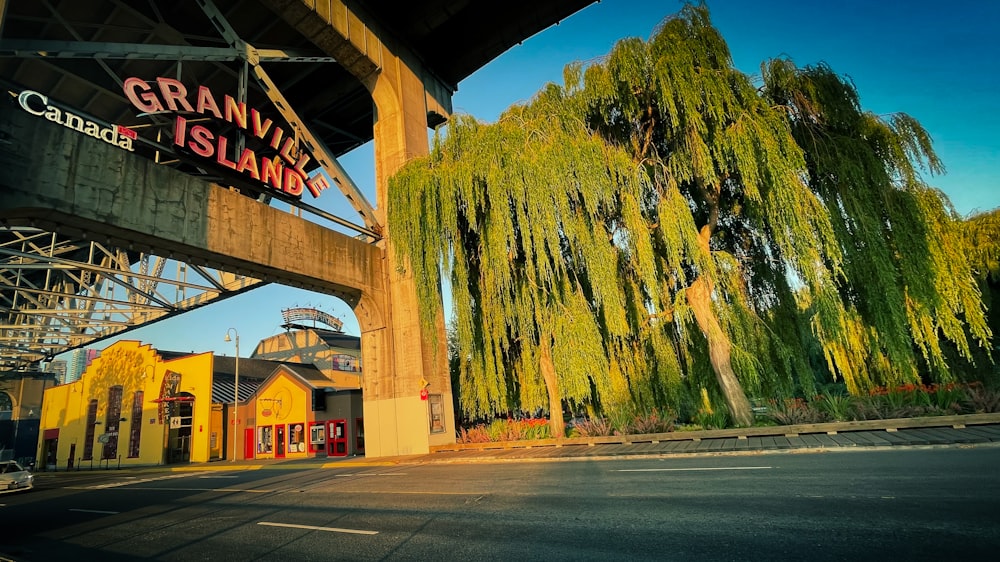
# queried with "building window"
point(264, 441)
point(88, 440)
point(296, 438)
point(135, 427)
point(344, 362)
point(111, 422)
point(436, 413)
point(317, 437)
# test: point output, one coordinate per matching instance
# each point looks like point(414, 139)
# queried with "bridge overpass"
point(140, 130)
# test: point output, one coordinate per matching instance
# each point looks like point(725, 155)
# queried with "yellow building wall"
point(134, 366)
point(196, 379)
point(283, 401)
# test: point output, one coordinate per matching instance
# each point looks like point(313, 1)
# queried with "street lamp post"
point(236, 394)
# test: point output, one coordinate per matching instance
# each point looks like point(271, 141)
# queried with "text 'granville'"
point(284, 172)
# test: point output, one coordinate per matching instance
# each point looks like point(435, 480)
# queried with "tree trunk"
point(699, 296)
point(557, 426)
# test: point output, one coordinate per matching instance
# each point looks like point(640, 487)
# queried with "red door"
point(279, 441)
point(248, 443)
point(336, 441)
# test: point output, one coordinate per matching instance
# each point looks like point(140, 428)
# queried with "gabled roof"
point(224, 387)
point(308, 375)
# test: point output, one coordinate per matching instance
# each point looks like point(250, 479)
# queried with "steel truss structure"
point(59, 293)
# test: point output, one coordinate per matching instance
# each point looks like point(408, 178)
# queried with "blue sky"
point(939, 62)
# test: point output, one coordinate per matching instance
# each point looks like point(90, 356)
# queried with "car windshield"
point(10, 467)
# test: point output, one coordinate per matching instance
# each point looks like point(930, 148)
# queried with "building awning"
point(50, 434)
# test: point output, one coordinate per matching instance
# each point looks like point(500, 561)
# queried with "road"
point(914, 504)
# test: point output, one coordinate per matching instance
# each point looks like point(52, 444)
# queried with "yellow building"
point(131, 407)
point(299, 412)
point(136, 406)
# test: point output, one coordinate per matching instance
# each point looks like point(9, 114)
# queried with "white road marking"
point(140, 481)
point(95, 511)
point(175, 489)
point(314, 528)
point(223, 476)
point(204, 489)
point(692, 469)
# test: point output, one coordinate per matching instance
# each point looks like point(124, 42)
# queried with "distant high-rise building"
point(79, 359)
point(58, 368)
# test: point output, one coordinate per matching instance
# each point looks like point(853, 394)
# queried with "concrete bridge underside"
point(57, 179)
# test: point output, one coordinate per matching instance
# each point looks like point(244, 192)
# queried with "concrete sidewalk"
point(968, 430)
point(977, 435)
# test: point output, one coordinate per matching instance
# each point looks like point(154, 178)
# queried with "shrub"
point(653, 422)
point(505, 429)
point(980, 400)
point(834, 406)
point(596, 427)
point(477, 434)
point(715, 419)
point(949, 397)
point(792, 411)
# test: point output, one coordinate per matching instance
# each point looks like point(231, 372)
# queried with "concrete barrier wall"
point(957, 421)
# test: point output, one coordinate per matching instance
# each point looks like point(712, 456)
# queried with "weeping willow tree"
point(903, 291)
point(657, 213)
point(525, 215)
point(656, 184)
point(731, 218)
point(981, 233)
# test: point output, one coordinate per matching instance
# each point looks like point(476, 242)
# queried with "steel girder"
point(59, 293)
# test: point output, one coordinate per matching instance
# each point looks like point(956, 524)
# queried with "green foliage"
point(593, 427)
point(505, 429)
point(902, 289)
point(834, 406)
point(981, 236)
point(718, 419)
point(658, 223)
point(791, 411)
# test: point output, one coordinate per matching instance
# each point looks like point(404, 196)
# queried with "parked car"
point(13, 477)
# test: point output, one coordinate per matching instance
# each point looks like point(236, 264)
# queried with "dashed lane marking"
point(314, 528)
point(693, 469)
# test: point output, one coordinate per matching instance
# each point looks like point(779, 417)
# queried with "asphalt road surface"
point(909, 504)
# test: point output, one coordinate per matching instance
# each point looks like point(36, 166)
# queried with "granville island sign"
point(283, 172)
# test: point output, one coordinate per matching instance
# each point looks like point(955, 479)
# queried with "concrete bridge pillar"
point(399, 357)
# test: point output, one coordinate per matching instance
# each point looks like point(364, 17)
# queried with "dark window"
point(319, 400)
point(111, 422)
point(88, 440)
point(135, 427)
